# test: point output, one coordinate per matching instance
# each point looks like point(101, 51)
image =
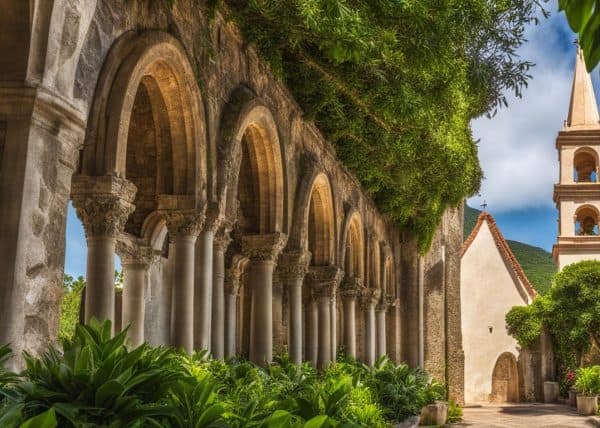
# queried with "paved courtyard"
point(525, 415)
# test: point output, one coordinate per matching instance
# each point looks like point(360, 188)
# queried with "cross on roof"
point(484, 205)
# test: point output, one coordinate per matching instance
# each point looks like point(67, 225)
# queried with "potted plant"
point(588, 385)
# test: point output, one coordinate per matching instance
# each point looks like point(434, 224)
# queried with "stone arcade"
point(238, 229)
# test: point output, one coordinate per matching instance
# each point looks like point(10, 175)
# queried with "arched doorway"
point(505, 380)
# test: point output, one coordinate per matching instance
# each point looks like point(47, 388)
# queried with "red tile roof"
point(503, 247)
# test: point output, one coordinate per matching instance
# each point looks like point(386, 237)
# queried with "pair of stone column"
point(262, 252)
point(369, 299)
point(350, 291)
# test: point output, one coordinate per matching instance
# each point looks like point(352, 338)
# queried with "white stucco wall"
point(488, 292)
point(565, 259)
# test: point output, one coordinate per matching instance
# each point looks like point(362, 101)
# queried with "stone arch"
point(353, 245)
point(147, 78)
point(586, 220)
point(321, 224)
point(375, 265)
point(388, 277)
point(585, 165)
point(252, 181)
point(505, 380)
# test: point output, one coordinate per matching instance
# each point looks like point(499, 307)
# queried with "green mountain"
point(536, 262)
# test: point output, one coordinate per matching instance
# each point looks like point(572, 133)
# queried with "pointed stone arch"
point(352, 246)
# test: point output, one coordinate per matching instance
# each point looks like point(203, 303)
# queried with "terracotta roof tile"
point(503, 247)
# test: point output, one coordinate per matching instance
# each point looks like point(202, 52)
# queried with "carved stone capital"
point(370, 297)
point(264, 247)
point(134, 251)
point(182, 213)
point(294, 265)
point(103, 203)
point(214, 217)
point(233, 275)
point(351, 287)
point(222, 239)
point(324, 280)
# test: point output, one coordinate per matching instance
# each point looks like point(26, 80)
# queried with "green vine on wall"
point(394, 84)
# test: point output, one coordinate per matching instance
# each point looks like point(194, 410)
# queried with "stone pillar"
point(103, 204)
point(221, 243)
point(231, 289)
point(350, 291)
point(323, 281)
point(183, 222)
point(333, 311)
point(203, 282)
point(292, 270)
point(136, 257)
point(311, 330)
point(262, 251)
point(370, 298)
point(381, 329)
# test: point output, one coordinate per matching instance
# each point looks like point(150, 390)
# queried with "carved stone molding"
point(370, 297)
point(222, 239)
point(234, 273)
point(103, 203)
point(324, 280)
point(294, 265)
point(183, 214)
point(351, 287)
point(264, 247)
point(134, 251)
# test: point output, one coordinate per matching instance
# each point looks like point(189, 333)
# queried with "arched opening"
point(585, 164)
point(375, 281)
point(259, 201)
point(320, 223)
point(586, 221)
point(354, 253)
point(505, 380)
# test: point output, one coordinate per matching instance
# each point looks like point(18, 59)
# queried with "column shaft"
point(100, 277)
point(350, 326)
point(261, 312)
point(333, 307)
point(203, 290)
point(311, 332)
point(218, 304)
point(295, 324)
point(183, 292)
point(370, 334)
point(134, 282)
point(381, 333)
point(231, 306)
point(324, 352)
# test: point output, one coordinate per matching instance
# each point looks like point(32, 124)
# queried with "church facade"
point(492, 282)
point(577, 194)
point(238, 229)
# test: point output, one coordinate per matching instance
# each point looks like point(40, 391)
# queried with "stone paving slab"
point(525, 415)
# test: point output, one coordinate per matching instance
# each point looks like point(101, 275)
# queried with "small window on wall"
point(586, 222)
point(584, 167)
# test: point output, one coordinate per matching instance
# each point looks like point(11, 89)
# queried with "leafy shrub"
point(588, 380)
point(455, 412)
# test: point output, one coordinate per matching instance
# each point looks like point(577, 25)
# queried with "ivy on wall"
point(394, 84)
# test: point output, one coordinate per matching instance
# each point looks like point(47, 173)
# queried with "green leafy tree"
point(70, 306)
point(584, 19)
point(570, 311)
point(394, 86)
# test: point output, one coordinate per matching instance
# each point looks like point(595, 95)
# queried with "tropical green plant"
point(455, 412)
point(588, 380)
point(584, 18)
point(6, 376)
point(93, 380)
point(70, 306)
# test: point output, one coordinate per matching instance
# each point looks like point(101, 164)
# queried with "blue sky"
point(516, 147)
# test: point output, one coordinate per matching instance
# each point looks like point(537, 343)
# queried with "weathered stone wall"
point(46, 97)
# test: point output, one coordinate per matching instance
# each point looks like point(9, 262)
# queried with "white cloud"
point(517, 149)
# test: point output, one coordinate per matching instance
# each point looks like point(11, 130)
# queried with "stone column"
point(323, 281)
point(370, 298)
point(333, 310)
point(381, 348)
point(231, 289)
point(136, 257)
point(350, 291)
point(311, 330)
point(103, 204)
point(292, 270)
point(221, 243)
point(262, 251)
point(203, 282)
point(183, 222)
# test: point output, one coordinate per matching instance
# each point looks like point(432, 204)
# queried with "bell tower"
point(577, 194)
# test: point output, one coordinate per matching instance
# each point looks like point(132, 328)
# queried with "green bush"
point(588, 380)
point(455, 412)
point(95, 380)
